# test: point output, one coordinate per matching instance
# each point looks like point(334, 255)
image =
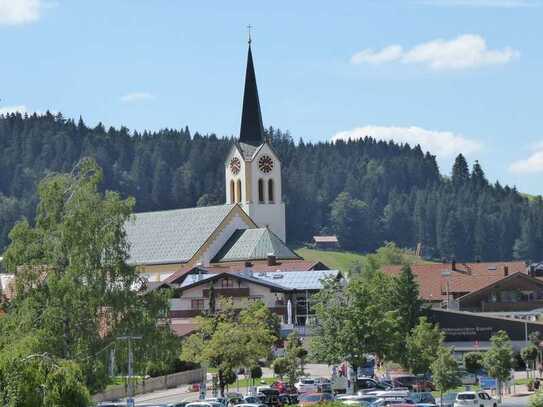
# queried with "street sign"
point(487, 383)
point(203, 391)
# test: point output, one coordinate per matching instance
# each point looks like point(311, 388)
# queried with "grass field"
point(336, 260)
point(343, 260)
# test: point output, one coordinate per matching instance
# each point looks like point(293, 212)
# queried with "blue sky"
point(453, 75)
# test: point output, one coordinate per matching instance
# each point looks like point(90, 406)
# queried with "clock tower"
point(253, 170)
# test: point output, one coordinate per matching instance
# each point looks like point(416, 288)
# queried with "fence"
point(153, 384)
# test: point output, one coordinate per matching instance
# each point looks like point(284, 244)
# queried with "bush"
point(473, 361)
point(536, 400)
point(256, 372)
point(280, 366)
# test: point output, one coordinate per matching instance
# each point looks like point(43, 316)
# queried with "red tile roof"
point(183, 328)
point(465, 278)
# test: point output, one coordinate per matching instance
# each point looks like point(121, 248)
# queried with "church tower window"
point(239, 197)
point(270, 191)
point(261, 190)
point(232, 192)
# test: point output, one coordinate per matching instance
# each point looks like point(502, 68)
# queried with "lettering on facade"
point(468, 331)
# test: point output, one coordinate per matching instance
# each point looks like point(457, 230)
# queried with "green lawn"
point(336, 260)
point(343, 260)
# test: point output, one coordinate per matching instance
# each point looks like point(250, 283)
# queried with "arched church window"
point(271, 195)
point(232, 191)
point(239, 197)
point(260, 190)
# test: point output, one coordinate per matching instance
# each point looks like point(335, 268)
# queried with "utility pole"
point(129, 339)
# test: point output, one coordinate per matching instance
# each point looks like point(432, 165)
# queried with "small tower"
point(253, 170)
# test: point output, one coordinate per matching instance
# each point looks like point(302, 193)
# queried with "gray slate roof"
point(298, 280)
point(287, 281)
point(253, 244)
point(171, 236)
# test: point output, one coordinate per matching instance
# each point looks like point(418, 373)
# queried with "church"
point(249, 230)
point(235, 250)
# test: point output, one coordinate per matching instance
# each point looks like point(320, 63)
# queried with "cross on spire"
point(252, 130)
point(249, 33)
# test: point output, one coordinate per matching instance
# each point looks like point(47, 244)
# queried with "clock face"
point(235, 165)
point(265, 163)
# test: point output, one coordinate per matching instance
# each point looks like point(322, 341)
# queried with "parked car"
point(306, 385)
point(310, 399)
point(204, 403)
point(408, 381)
point(360, 399)
point(423, 398)
point(423, 385)
point(323, 384)
point(250, 405)
point(281, 387)
point(393, 401)
point(366, 384)
point(254, 399)
point(467, 378)
point(479, 398)
point(271, 396)
point(288, 399)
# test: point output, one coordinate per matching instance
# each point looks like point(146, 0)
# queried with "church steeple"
point(252, 130)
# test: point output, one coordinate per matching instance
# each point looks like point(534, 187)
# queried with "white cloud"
point(482, 3)
point(531, 164)
point(12, 109)
point(443, 144)
point(387, 54)
point(135, 97)
point(463, 52)
point(15, 12)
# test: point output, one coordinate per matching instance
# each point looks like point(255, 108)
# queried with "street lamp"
point(129, 339)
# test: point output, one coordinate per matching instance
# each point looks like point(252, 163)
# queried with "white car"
point(306, 385)
point(477, 398)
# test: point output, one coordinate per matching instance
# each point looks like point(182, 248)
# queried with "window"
point(260, 190)
point(239, 198)
point(232, 191)
point(227, 283)
point(270, 191)
point(197, 304)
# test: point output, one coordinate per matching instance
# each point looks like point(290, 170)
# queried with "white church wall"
point(237, 222)
point(234, 152)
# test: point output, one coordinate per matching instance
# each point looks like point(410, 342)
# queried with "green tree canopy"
point(498, 360)
point(445, 374)
point(352, 321)
point(473, 361)
point(407, 300)
point(227, 340)
point(422, 346)
point(75, 292)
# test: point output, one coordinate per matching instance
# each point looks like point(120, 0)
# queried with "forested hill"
point(366, 191)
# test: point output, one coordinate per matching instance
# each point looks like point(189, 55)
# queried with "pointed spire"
point(252, 130)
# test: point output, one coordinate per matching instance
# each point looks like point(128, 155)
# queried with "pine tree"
point(460, 172)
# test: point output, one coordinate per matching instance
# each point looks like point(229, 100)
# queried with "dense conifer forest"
point(367, 191)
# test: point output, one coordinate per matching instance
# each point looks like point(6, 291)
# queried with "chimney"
point(272, 261)
point(248, 268)
point(505, 271)
point(199, 267)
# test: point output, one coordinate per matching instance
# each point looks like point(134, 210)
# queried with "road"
point(176, 395)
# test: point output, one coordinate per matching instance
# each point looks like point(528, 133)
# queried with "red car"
point(281, 386)
point(310, 399)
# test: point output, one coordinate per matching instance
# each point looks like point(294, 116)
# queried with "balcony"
point(229, 292)
point(511, 306)
point(185, 313)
